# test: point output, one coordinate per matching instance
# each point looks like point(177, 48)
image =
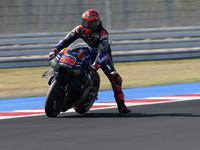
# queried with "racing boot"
point(119, 97)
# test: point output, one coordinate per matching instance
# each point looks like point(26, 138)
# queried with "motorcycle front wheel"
point(55, 98)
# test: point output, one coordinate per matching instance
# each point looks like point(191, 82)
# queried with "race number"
point(68, 60)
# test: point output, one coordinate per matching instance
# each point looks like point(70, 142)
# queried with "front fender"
point(51, 80)
point(58, 77)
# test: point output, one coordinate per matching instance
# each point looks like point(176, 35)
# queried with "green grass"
point(23, 82)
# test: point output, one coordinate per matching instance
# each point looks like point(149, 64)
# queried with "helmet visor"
point(89, 24)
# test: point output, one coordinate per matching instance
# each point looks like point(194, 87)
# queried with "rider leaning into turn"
point(93, 33)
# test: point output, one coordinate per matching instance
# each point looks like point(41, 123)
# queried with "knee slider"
point(116, 78)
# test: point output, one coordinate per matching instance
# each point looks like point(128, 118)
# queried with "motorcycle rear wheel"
point(55, 98)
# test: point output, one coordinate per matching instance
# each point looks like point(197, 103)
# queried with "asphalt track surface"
point(167, 126)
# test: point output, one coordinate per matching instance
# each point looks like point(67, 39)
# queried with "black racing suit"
point(97, 40)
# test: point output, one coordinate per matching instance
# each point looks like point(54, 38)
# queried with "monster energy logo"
point(77, 73)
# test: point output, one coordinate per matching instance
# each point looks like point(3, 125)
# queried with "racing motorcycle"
point(72, 83)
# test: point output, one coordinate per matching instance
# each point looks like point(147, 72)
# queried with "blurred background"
point(140, 30)
point(30, 16)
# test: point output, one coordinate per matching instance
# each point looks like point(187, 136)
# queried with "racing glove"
point(94, 67)
point(53, 53)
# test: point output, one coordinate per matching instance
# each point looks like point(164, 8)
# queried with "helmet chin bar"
point(87, 30)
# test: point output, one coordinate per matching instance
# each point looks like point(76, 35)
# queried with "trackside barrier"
point(21, 50)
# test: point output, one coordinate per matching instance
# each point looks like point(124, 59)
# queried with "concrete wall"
point(29, 16)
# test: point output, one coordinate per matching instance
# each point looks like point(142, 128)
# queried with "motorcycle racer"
point(92, 32)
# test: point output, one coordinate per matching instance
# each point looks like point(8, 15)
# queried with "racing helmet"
point(90, 20)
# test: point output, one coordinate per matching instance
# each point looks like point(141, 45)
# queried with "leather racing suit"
point(97, 40)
